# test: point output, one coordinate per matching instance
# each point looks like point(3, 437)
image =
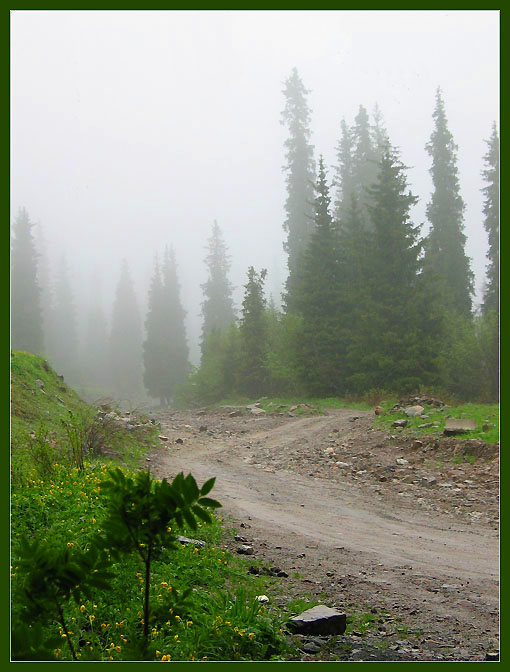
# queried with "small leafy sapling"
point(142, 513)
point(50, 577)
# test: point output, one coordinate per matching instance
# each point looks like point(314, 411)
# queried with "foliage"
point(445, 257)
point(165, 350)
point(217, 307)
point(139, 514)
point(300, 169)
point(26, 330)
point(125, 346)
point(384, 351)
point(252, 374)
point(48, 418)
point(482, 414)
point(62, 328)
point(491, 222)
point(68, 511)
point(51, 576)
point(318, 298)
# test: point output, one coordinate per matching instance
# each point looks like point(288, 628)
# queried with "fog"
point(131, 130)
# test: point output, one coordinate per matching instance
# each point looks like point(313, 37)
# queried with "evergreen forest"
point(373, 301)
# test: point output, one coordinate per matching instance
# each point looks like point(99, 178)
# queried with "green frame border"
point(217, 5)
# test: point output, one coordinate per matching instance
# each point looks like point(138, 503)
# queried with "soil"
point(352, 514)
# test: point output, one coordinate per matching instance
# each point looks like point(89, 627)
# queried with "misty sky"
point(135, 129)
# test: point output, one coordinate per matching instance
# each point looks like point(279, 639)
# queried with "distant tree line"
point(369, 303)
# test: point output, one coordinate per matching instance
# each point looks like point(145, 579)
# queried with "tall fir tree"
point(359, 151)
point(300, 169)
point(386, 353)
point(445, 260)
point(344, 173)
point(125, 343)
point(95, 346)
point(218, 306)
point(318, 299)
point(165, 350)
point(45, 282)
point(63, 331)
point(491, 223)
point(252, 375)
point(26, 319)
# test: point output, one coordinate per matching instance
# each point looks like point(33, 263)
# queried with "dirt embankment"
point(358, 516)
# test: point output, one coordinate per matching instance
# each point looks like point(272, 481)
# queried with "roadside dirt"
point(351, 515)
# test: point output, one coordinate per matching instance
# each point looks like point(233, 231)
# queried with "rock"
point(202, 428)
point(319, 620)
point(343, 465)
point(426, 482)
point(282, 574)
point(257, 411)
point(263, 599)
point(235, 414)
point(459, 426)
point(238, 537)
point(413, 411)
point(400, 423)
point(194, 542)
point(245, 550)
point(417, 444)
point(161, 437)
point(179, 441)
point(425, 425)
point(402, 461)
point(311, 647)
point(378, 410)
point(39, 383)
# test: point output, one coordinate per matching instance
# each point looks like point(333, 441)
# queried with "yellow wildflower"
point(251, 635)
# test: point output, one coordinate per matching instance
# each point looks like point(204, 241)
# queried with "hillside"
point(49, 419)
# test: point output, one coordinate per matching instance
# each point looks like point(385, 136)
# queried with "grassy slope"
point(32, 405)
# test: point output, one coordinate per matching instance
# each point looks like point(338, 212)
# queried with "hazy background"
point(135, 129)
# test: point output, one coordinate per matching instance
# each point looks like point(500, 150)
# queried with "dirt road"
point(355, 540)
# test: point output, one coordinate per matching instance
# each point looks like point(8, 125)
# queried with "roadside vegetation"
point(79, 590)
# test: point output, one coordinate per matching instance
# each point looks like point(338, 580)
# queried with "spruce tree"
point(217, 307)
point(318, 299)
point(344, 172)
point(445, 259)
point(44, 280)
point(126, 339)
point(300, 171)
point(252, 375)
point(386, 353)
point(491, 222)
point(359, 151)
point(154, 343)
point(165, 350)
point(95, 346)
point(177, 364)
point(63, 331)
point(26, 329)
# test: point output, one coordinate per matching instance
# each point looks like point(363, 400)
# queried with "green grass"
point(317, 405)
point(482, 414)
point(67, 509)
point(46, 414)
point(59, 504)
